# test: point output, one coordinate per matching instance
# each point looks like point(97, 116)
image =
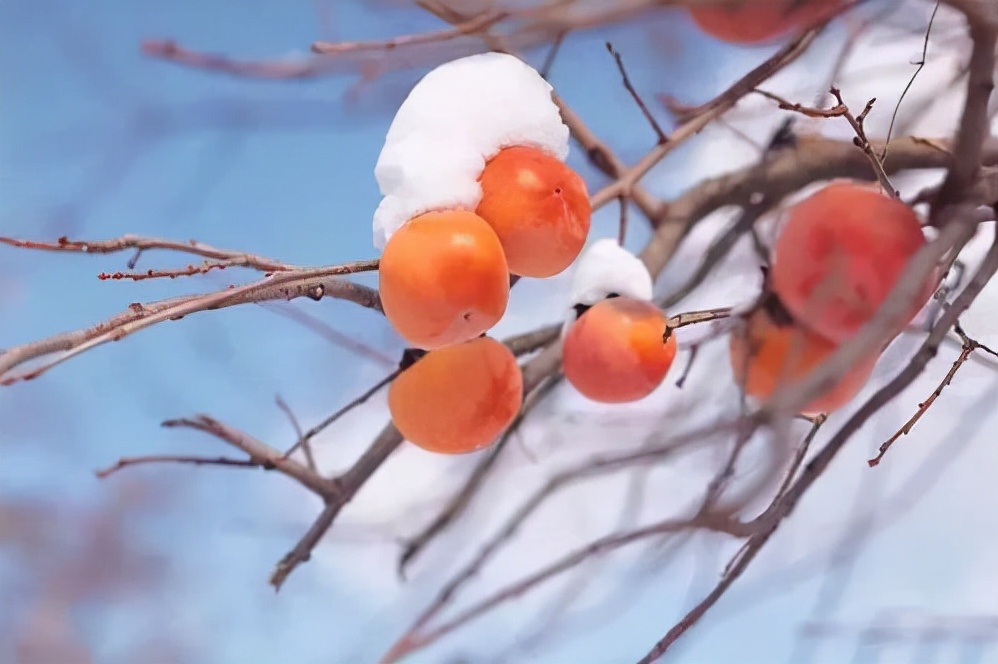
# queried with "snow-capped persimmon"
point(443, 279)
point(457, 399)
point(839, 255)
point(770, 352)
point(756, 21)
point(614, 352)
point(539, 208)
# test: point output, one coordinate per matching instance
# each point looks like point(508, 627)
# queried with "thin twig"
point(304, 439)
point(126, 462)
point(863, 143)
point(622, 225)
point(801, 452)
point(911, 81)
point(662, 138)
point(969, 346)
point(141, 244)
point(545, 70)
point(259, 453)
point(836, 111)
point(462, 498)
point(189, 271)
point(306, 448)
point(476, 24)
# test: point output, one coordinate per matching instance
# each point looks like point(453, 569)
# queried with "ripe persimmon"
point(614, 352)
point(457, 399)
point(755, 21)
point(839, 255)
point(443, 279)
point(772, 351)
point(539, 208)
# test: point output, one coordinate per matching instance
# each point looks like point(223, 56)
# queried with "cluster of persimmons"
point(838, 256)
point(445, 279)
point(445, 276)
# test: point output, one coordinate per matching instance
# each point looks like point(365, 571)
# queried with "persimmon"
point(614, 352)
point(457, 399)
point(839, 255)
point(772, 351)
point(539, 208)
point(755, 21)
point(443, 279)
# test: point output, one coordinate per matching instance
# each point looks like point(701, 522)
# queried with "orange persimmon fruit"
point(839, 255)
point(457, 399)
point(772, 351)
point(443, 279)
point(756, 21)
point(614, 352)
point(539, 208)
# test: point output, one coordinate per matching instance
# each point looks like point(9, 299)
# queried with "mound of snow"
point(603, 268)
point(456, 118)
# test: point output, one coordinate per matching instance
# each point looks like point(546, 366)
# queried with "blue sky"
point(96, 141)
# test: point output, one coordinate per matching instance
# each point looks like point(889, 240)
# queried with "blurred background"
point(169, 563)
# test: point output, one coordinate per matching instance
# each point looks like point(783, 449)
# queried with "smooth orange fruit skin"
point(457, 399)
point(766, 356)
point(539, 208)
point(614, 352)
point(839, 255)
point(443, 279)
point(756, 21)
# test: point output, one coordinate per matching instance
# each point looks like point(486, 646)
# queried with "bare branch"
point(974, 122)
point(462, 498)
point(314, 283)
point(474, 25)
point(662, 138)
point(306, 448)
point(969, 346)
point(342, 490)
point(767, 522)
point(259, 453)
point(303, 439)
point(911, 81)
point(863, 143)
point(603, 158)
point(715, 109)
point(142, 244)
point(126, 462)
point(599, 547)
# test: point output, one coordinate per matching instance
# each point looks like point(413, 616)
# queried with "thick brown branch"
point(342, 490)
point(974, 122)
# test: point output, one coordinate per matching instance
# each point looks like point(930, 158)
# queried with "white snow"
point(456, 118)
point(603, 268)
